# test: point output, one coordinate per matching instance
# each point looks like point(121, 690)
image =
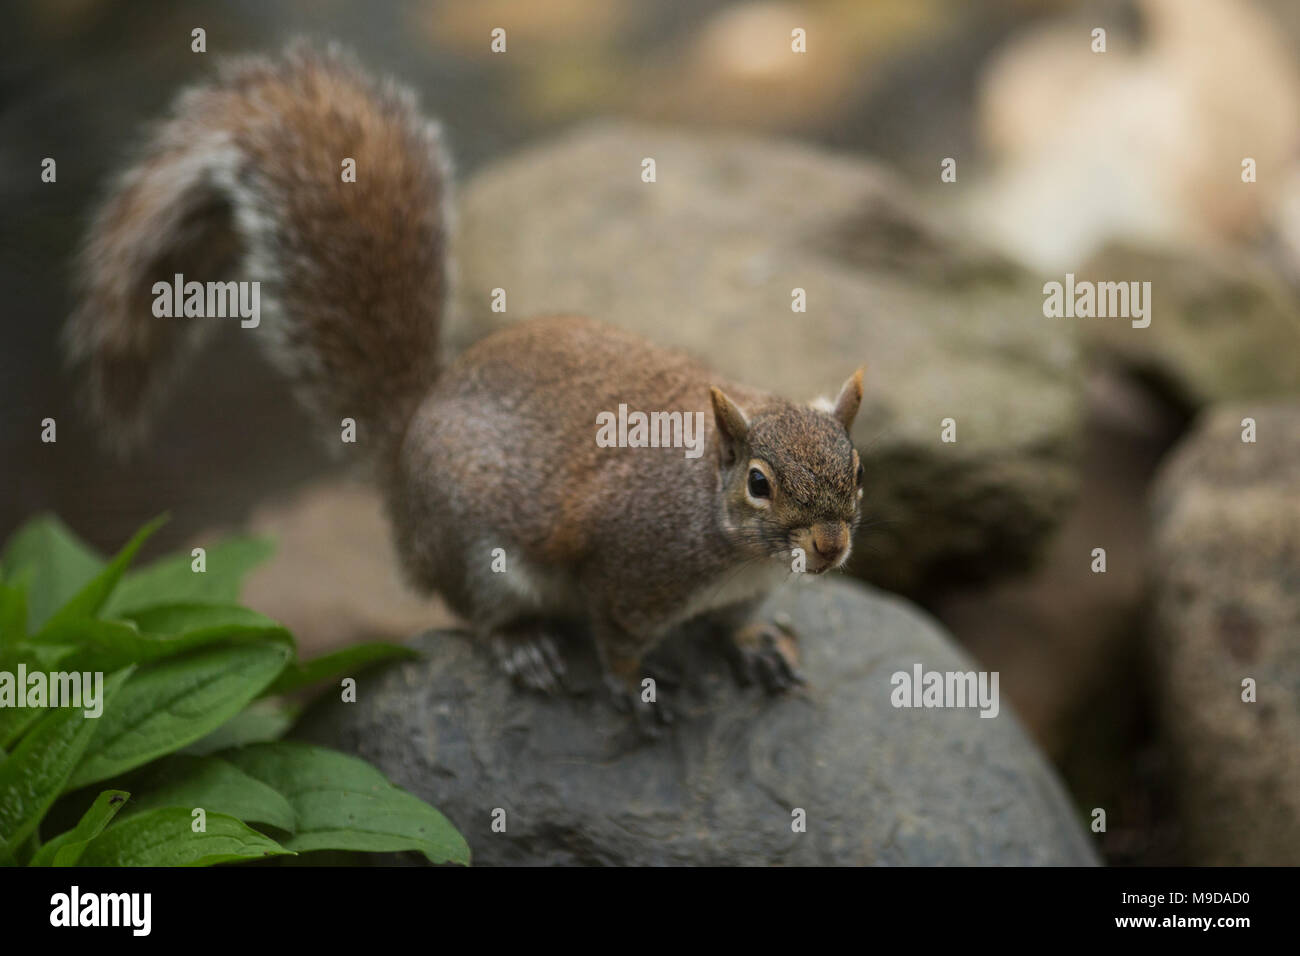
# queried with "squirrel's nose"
point(829, 540)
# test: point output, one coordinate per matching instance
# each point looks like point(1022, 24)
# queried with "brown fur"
point(502, 454)
point(243, 181)
point(498, 452)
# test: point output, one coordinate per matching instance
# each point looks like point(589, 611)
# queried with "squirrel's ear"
point(846, 406)
point(733, 425)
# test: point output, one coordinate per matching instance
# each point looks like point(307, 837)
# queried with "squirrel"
point(494, 450)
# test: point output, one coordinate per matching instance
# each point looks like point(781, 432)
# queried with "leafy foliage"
point(183, 739)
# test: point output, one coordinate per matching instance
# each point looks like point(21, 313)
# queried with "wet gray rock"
point(706, 259)
point(879, 785)
point(1226, 563)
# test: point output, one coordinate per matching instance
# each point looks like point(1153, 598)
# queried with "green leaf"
point(216, 786)
point(38, 770)
point(343, 803)
point(348, 661)
point(66, 848)
point(77, 636)
point(15, 721)
point(173, 581)
point(43, 657)
point(90, 598)
point(165, 838)
point(261, 721)
point(13, 615)
point(161, 632)
point(53, 563)
point(191, 617)
point(175, 702)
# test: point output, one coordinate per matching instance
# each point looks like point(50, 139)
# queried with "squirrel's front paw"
point(767, 651)
point(531, 658)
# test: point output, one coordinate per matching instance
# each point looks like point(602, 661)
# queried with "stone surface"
point(880, 785)
point(706, 258)
point(1223, 326)
point(1062, 636)
point(334, 578)
point(1069, 642)
point(1226, 538)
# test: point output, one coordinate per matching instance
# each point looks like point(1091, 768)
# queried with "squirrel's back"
point(505, 451)
point(247, 180)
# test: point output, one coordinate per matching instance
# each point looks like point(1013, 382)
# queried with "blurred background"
point(1123, 165)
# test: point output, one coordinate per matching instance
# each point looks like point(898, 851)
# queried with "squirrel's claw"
point(649, 719)
point(533, 662)
point(767, 652)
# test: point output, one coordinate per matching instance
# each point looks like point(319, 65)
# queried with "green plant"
point(184, 763)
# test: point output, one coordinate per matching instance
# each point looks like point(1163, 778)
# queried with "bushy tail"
point(245, 181)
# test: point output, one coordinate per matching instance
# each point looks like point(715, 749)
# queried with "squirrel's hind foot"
point(649, 719)
point(530, 657)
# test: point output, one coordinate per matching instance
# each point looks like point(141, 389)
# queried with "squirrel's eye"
point(859, 473)
point(758, 486)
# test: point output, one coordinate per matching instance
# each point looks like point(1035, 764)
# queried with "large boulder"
point(879, 785)
point(1226, 562)
point(1223, 326)
point(706, 258)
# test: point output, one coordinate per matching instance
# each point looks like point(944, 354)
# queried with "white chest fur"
point(737, 585)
